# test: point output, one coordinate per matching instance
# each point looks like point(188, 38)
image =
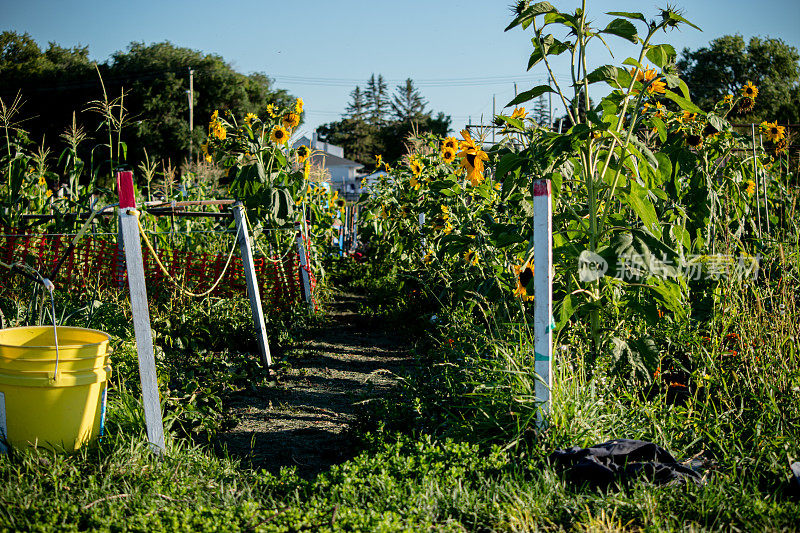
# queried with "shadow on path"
point(302, 420)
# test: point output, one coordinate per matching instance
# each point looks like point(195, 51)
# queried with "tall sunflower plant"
point(628, 175)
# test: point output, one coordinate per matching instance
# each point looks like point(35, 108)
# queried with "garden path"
point(303, 419)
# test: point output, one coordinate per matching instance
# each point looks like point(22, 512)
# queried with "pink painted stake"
point(127, 194)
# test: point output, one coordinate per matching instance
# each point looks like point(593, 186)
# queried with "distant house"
point(370, 180)
point(344, 176)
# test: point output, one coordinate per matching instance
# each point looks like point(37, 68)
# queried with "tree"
point(377, 99)
point(362, 138)
point(541, 111)
point(408, 104)
point(357, 108)
point(155, 80)
point(727, 64)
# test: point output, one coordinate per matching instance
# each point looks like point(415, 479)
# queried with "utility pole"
point(191, 113)
point(494, 114)
point(550, 113)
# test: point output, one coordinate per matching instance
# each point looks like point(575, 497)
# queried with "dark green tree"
point(408, 105)
point(357, 108)
point(728, 63)
point(378, 102)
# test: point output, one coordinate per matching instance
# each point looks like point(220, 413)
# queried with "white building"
point(344, 177)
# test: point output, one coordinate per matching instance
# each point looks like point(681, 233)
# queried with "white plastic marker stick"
point(543, 293)
point(129, 227)
point(243, 236)
point(304, 277)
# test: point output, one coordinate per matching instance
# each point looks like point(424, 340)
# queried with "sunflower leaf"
point(684, 103)
point(628, 15)
point(622, 28)
point(606, 73)
point(530, 95)
point(526, 17)
point(661, 54)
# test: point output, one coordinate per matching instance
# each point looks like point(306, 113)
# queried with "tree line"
point(153, 81)
point(377, 122)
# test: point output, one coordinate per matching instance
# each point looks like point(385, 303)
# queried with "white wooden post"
point(304, 277)
point(129, 227)
point(543, 293)
point(243, 238)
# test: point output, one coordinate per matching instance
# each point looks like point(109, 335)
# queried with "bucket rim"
point(67, 346)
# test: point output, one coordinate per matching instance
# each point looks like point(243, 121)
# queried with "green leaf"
point(684, 103)
point(638, 200)
point(508, 163)
point(565, 312)
point(622, 28)
point(661, 55)
point(718, 122)
point(606, 73)
point(628, 15)
point(530, 94)
point(528, 14)
point(661, 128)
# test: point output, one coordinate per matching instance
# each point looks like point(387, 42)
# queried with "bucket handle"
point(49, 286)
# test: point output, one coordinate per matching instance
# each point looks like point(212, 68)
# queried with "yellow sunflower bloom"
point(303, 152)
point(472, 158)
point(727, 99)
point(290, 120)
point(450, 142)
point(249, 118)
point(218, 130)
point(298, 106)
point(208, 158)
point(522, 276)
point(448, 155)
point(650, 78)
point(519, 113)
point(415, 183)
point(378, 161)
point(471, 257)
point(215, 115)
point(279, 135)
point(416, 166)
point(751, 187)
point(773, 132)
point(42, 181)
point(749, 90)
point(428, 259)
point(48, 193)
point(271, 110)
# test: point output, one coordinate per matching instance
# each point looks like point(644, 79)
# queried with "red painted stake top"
point(127, 196)
point(541, 188)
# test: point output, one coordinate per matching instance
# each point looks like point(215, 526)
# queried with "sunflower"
point(48, 193)
point(773, 132)
point(415, 166)
point(298, 106)
point(659, 110)
point(215, 115)
point(448, 155)
point(271, 110)
point(290, 120)
point(749, 90)
point(745, 105)
point(42, 181)
point(695, 141)
point(249, 118)
point(650, 78)
point(279, 135)
point(428, 259)
point(450, 142)
point(522, 275)
point(519, 113)
point(472, 158)
point(687, 117)
point(751, 187)
point(415, 183)
point(218, 130)
point(727, 99)
point(303, 152)
point(780, 146)
point(378, 161)
point(471, 257)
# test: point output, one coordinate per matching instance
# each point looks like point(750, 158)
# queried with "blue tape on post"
point(540, 357)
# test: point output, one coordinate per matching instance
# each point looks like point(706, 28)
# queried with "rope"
point(258, 246)
point(136, 213)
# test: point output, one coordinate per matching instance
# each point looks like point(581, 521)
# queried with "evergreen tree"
point(357, 108)
point(377, 99)
point(541, 111)
point(408, 104)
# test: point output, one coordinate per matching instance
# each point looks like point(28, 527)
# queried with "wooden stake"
point(304, 277)
point(129, 227)
point(243, 237)
point(543, 293)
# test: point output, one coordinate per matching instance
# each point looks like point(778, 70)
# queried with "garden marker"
point(542, 293)
point(243, 236)
point(301, 251)
point(129, 228)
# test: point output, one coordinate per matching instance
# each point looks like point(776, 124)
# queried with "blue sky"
point(456, 51)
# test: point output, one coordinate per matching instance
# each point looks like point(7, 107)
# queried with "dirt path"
point(302, 420)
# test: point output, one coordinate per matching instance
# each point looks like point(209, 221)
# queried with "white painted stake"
point(243, 238)
point(129, 226)
point(543, 293)
point(304, 277)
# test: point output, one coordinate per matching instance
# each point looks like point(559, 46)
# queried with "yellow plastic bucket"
point(48, 398)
